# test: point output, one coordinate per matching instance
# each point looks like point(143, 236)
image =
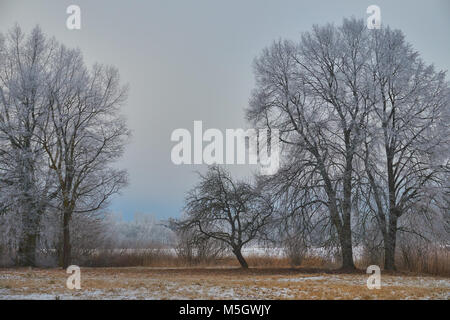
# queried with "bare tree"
point(317, 94)
point(226, 210)
point(82, 136)
point(25, 181)
point(60, 131)
point(364, 123)
point(406, 144)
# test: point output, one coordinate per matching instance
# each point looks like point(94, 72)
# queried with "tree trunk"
point(347, 249)
point(346, 232)
point(27, 247)
point(66, 240)
point(29, 214)
point(343, 226)
point(28, 241)
point(390, 243)
point(238, 254)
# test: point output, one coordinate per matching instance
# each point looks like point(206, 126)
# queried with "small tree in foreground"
point(229, 211)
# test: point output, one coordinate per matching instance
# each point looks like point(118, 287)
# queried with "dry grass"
point(216, 283)
point(127, 258)
point(162, 258)
point(432, 261)
point(418, 259)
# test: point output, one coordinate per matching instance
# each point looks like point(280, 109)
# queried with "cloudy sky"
point(189, 60)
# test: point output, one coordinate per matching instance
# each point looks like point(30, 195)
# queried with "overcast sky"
point(189, 60)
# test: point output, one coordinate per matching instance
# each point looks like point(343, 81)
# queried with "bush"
point(295, 250)
point(194, 248)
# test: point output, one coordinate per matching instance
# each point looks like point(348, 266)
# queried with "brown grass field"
point(217, 283)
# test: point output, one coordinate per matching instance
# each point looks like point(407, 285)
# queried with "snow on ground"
point(302, 279)
point(221, 283)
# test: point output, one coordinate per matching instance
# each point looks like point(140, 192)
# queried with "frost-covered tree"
point(25, 182)
point(407, 137)
point(83, 135)
point(364, 124)
point(60, 132)
point(316, 92)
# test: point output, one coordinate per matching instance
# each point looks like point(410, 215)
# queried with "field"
point(216, 283)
